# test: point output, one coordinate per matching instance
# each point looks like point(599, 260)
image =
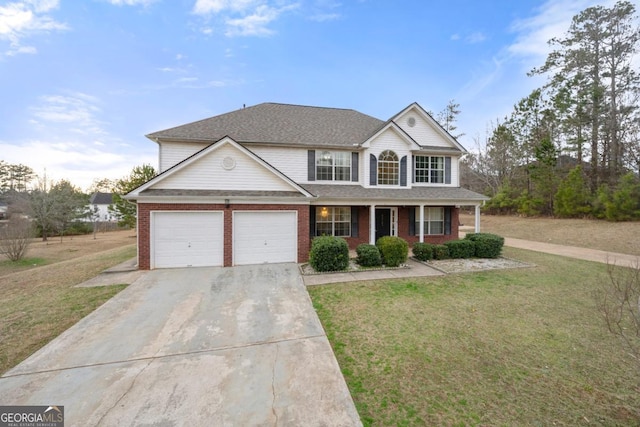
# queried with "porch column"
point(421, 227)
point(477, 218)
point(372, 224)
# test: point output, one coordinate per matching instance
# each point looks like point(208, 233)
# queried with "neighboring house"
point(257, 184)
point(99, 204)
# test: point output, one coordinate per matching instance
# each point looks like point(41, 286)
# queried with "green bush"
point(79, 227)
point(487, 245)
point(329, 253)
point(394, 250)
point(368, 255)
point(440, 252)
point(423, 251)
point(461, 248)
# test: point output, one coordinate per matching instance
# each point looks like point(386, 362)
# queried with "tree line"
point(59, 207)
point(571, 148)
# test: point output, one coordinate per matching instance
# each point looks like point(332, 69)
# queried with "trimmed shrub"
point(368, 255)
point(423, 251)
point(461, 248)
point(440, 252)
point(329, 253)
point(394, 250)
point(487, 245)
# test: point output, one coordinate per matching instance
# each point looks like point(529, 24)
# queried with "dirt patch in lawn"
point(584, 233)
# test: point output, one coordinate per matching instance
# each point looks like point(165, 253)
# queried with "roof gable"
point(224, 165)
point(280, 124)
point(424, 129)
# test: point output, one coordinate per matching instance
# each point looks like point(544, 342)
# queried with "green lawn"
point(510, 347)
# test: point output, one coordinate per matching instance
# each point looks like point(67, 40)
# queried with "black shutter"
point(447, 221)
point(447, 170)
point(312, 221)
point(373, 170)
point(354, 221)
point(412, 222)
point(354, 167)
point(311, 164)
point(403, 171)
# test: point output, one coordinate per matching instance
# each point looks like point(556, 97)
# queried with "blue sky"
point(82, 81)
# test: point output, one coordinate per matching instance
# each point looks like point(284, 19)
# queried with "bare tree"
point(618, 301)
point(15, 238)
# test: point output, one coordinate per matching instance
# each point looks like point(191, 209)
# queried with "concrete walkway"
point(415, 269)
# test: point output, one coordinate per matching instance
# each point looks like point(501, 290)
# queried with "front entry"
point(383, 222)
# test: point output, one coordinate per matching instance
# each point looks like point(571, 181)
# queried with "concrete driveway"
point(202, 346)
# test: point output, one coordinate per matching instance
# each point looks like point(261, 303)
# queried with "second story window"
point(429, 169)
point(388, 168)
point(333, 166)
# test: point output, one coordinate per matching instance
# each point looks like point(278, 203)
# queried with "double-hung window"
point(429, 169)
point(433, 220)
point(333, 166)
point(333, 221)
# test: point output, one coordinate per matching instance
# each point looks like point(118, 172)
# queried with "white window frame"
point(339, 163)
point(326, 215)
point(429, 171)
point(388, 170)
point(431, 214)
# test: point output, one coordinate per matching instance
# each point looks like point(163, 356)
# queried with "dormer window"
point(333, 166)
point(388, 168)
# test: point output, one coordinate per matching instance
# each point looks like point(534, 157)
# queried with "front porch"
point(359, 224)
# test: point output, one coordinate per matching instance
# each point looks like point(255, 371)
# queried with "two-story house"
point(257, 184)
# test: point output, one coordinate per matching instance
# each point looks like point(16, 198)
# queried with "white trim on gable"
point(398, 130)
point(226, 141)
point(422, 113)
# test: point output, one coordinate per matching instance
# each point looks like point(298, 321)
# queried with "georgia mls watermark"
point(32, 416)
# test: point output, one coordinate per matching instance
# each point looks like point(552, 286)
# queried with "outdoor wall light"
point(226, 203)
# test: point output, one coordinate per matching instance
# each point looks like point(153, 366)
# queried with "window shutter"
point(447, 170)
point(373, 170)
point(311, 165)
point(354, 220)
point(447, 220)
point(354, 167)
point(312, 221)
point(403, 171)
point(412, 222)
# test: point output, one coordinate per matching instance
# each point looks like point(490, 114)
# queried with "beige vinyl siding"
point(172, 153)
point(290, 161)
point(422, 132)
point(208, 173)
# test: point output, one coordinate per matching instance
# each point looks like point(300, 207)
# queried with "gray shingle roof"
point(101, 199)
point(412, 195)
point(280, 124)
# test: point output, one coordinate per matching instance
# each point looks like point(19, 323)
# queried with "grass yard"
point(586, 233)
point(37, 297)
point(508, 347)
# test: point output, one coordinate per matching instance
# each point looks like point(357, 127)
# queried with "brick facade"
point(144, 226)
point(403, 228)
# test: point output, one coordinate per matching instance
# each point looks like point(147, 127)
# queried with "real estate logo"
point(32, 416)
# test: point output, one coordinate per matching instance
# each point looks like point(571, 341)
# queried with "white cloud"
point(77, 112)
point(242, 17)
point(324, 17)
point(22, 20)
point(476, 37)
point(131, 2)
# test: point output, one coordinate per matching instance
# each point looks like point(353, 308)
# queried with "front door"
point(383, 223)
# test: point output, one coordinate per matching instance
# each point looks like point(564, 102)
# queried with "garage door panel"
point(265, 237)
point(187, 239)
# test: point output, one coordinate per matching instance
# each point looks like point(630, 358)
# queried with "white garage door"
point(265, 237)
point(187, 239)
